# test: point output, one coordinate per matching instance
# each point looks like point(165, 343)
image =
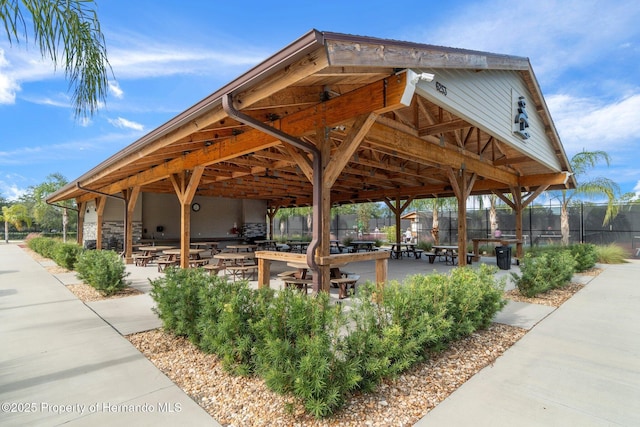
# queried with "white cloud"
point(126, 124)
point(115, 90)
point(557, 35)
point(8, 85)
point(594, 125)
point(133, 55)
point(11, 191)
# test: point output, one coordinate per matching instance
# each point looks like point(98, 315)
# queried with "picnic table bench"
point(300, 284)
point(343, 283)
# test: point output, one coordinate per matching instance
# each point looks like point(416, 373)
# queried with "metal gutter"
point(317, 228)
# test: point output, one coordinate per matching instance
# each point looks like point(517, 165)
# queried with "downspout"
point(227, 105)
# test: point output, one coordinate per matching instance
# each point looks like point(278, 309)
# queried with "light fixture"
point(423, 77)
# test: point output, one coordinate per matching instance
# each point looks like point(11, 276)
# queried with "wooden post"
point(100, 204)
point(324, 249)
point(462, 183)
point(185, 187)
point(131, 198)
point(82, 209)
point(264, 272)
point(397, 208)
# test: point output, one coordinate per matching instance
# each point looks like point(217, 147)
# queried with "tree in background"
point(435, 204)
point(68, 32)
point(46, 216)
point(581, 164)
point(16, 215)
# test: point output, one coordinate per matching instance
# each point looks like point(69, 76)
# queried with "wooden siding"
point(484, 98)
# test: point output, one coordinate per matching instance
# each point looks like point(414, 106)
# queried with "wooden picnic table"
point(267, 244)
point(298, 245)
point(237, 263)
point(151, 250)
point(204, 245)
point(396, 249)
point(175, 253)
point(246, 248)
point(450, 252)
point(366, 245)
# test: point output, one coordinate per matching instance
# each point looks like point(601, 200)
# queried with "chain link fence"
point(540, 225)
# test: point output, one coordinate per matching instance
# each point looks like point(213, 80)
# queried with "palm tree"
point(16, 215)
point(581, 163)
point(66, 31)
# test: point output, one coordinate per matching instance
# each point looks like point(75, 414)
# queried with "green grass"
point(611, 254)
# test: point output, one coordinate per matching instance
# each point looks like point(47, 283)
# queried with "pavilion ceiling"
point(388, 149)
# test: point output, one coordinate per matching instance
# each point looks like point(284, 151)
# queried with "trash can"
point(503, 257)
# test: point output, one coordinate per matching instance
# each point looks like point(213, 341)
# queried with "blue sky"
point(166, 56)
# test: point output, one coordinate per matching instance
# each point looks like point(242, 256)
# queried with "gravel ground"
point(240, 401)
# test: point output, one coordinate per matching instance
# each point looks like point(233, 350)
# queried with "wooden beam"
point(378, 97)
point(417, 149)
point(209, 111)
point(549, 179)
point(443, 127)
point(348, 147)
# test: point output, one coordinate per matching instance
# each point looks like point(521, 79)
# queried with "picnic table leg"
point(264, 271)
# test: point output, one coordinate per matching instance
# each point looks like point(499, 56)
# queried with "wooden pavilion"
point(334, 119)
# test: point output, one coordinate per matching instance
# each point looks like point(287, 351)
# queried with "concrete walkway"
point(578, 365)
point(62, 364)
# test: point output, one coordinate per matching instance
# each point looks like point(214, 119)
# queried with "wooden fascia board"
point(418, 148)
point(370, 52)
point(378, 97)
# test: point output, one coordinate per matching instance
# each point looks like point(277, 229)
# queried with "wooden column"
point(130, 199)
point(82, 209)
point(185, 185)
point(271, 213)
point(397, 208)
point(519, 204)
point(462, 183)
point(324, 146)
point(100, 205)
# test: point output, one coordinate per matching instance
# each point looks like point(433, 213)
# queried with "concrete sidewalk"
point(62, 364)
point(580, 366)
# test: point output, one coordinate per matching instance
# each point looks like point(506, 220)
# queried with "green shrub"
point(611, 254)
point(104, 270)
point(66, 254)
point(390, 233)
point(425, 245)
point(386, 339)
point(585, 255)
point(43, 246)
point(178, 301)
point(228, 314)
point(544, 272)
point(301, 336)
point(315, 350)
